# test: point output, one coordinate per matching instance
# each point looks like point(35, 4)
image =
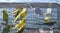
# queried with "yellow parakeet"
point(21, 15)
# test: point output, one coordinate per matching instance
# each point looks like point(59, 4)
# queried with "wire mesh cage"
point(34, 18)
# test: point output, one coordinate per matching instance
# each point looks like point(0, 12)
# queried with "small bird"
point(21, 15)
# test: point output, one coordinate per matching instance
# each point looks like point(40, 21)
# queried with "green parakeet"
point(5, 16)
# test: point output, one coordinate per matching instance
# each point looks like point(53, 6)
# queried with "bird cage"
point(35, 16)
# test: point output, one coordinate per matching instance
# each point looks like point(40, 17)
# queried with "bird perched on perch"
point(48, 16)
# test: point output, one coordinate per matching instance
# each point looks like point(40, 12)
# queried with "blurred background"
point(33, 20)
